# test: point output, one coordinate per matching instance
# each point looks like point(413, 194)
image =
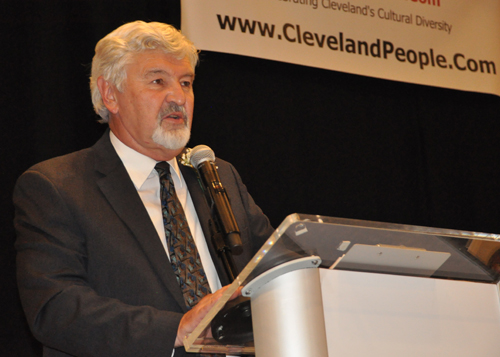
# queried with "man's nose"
point(176, 94)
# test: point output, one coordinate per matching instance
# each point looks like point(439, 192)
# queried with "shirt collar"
point(140, 167)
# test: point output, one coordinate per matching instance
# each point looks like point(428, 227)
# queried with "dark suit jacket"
point(93, 276)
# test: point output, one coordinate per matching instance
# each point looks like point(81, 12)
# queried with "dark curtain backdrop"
point(304, 140)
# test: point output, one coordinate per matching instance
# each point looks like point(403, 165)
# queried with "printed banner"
point(444, 43)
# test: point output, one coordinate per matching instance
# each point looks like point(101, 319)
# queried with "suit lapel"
point(120, 192)
point(203, 211)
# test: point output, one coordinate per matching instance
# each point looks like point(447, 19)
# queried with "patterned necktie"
point(184, 256)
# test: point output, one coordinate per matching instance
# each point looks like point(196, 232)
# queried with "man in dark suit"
point(93, 264)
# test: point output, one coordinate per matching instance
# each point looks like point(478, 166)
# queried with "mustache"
point(172, 108)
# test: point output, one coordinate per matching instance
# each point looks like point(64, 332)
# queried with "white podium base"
point(374, 315)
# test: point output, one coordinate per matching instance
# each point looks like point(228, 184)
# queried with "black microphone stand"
point(222, 248)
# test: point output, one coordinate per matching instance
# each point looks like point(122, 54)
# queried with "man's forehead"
point(157, 62)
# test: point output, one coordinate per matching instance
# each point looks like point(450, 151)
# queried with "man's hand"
point(194, 316)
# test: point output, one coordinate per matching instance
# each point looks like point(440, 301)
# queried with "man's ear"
point(108, 94)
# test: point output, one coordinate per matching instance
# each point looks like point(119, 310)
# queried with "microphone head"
point(200, 154)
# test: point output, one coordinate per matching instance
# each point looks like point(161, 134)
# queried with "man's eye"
point(186, 84)
point(158, 81)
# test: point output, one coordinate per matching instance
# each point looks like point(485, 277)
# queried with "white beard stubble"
point(172, 138)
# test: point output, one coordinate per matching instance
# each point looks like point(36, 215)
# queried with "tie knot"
point(163, 168)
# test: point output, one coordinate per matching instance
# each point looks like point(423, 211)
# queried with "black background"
point(304, 140)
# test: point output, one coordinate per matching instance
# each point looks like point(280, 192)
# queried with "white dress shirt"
point(145, 178)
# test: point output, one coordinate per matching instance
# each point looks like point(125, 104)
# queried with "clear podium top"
point(375, 247)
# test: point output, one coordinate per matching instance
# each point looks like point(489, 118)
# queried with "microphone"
point(202, 158)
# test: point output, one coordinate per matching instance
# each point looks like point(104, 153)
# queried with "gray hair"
point(113, 52)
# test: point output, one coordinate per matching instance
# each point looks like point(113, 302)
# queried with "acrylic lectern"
point(323, 286)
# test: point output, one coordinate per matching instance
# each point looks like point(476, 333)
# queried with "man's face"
point(153, 112)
